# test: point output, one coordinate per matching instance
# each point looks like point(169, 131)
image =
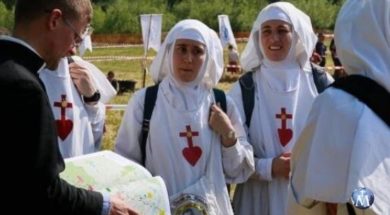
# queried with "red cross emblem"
point(64, 126)
point(191, 153)
point(285, 134)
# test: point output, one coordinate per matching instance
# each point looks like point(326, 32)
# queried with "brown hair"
point(26, 10)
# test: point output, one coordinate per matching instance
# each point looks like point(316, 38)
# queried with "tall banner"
point(151, 31)
point(86, 44)
point(225, 31)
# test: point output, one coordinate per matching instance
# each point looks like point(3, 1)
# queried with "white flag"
point(225, 31)
point(151, 31)
point(86, 44)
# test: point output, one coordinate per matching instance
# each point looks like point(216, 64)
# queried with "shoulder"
point(14, 77)
point(235, 90)
point(139, 96)
point(245, 82)
point(339, 104)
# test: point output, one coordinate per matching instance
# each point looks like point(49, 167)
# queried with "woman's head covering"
point(362, 37)
point(212, 69)
point(304, 38)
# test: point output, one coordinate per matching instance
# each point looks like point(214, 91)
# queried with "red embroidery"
point(64, 126)
point(285, 134)
point(191, 153)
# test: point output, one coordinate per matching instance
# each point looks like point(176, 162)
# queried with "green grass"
point(113, 121)
point(125, 70)
point(136, 50)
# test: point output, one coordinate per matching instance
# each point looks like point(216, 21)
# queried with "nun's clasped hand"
point(222, 125)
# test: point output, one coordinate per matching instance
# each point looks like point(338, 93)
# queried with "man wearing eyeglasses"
point(44, 32)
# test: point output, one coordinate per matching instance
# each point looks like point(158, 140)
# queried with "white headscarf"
point(210, 72)
point(188, 95)
point(304, 37)
point(372, 22)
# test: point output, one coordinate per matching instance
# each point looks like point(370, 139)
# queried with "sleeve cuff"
point(96, 112)
point(92, 107)
point(231, 150)
point(264, 168)
point(106, 204)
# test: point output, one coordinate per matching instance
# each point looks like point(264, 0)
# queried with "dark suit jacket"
point(28, 135)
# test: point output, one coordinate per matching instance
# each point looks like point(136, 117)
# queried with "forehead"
point(275, 23)
point(188, 42)
point(85, 16)
point(87, 13)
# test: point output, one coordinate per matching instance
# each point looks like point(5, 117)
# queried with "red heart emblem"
point(192, 154)
point(285, 135)
point(64, 127)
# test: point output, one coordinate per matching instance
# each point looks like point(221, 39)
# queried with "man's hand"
point(82, 80)
point(119, 207)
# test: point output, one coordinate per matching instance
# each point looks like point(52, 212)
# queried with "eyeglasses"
point(79, 37)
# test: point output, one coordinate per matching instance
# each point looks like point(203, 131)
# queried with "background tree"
point(6, 17)
point(9, 3)
point(122, 16)
point(171, 3)
point(103, 4)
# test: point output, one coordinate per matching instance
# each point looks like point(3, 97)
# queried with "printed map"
point(111, 173)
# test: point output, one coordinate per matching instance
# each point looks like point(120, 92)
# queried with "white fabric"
point(172, 113)
point(283, 84)
point(160, 65)
point(262, 193)
point(164, 146)
point(225, 32)
point(345, 145)
point(274, 13)
point(87, 121)
point(365, 53)
point(251, 57)
point(85, 45)
point(151, 31)
point(190, 95)
point(341, 149)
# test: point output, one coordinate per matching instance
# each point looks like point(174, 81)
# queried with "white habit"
point(284, 92)
point(345, 145)
point(80, 126)
point(181, 147)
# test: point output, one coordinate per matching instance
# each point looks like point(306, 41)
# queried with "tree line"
point(122, 16)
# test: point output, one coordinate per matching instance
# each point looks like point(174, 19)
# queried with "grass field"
point(132, 70)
